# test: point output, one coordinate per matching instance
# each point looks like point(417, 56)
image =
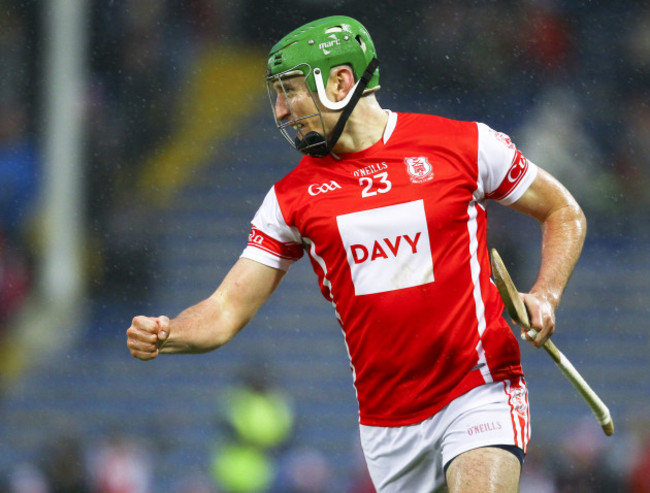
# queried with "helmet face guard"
point(311, 143)
point(312, 51)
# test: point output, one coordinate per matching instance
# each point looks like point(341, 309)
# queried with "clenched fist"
point(146, 336)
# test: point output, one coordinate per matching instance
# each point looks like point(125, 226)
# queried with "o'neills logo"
point(484, 427)
point(419, 169)
point(370, 170)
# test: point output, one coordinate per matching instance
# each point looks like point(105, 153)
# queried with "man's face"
point(296, 107)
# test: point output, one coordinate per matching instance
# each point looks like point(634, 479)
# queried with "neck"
point(364, 128)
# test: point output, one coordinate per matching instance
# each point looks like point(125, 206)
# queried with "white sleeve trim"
point(266, 258)
point(269, 220)
point(525, 183)
point(496, 156)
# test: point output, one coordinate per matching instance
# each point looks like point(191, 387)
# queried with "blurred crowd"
point(569, 81)
point(582, 461)
point(252, 451)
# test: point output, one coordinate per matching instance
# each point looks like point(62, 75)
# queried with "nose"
point(281, 108)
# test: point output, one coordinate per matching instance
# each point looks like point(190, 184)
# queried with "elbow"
point(582, 220)
point(568, 221)
point(578, 218)
point(574, 224)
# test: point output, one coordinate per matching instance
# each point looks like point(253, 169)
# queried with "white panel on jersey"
point(387, 248)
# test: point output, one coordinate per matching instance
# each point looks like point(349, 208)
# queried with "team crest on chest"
point(419, 169)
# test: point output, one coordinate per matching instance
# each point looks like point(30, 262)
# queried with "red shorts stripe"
point(520, 413)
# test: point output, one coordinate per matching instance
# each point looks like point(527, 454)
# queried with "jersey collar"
point(390, 125)
point(388, 131)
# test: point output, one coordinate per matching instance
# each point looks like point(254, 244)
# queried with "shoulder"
point(433, 119)
point(306, 168)
point(435, 124)
point(296, 190)
point(437, 132)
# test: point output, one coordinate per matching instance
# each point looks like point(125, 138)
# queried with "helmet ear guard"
point(357, 92)
point(322, 95)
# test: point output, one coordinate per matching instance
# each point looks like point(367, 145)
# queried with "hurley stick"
point(517, 310)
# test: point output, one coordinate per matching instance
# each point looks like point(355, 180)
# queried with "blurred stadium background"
point(136, 144)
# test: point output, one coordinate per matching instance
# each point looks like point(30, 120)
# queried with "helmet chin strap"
point(314, 144)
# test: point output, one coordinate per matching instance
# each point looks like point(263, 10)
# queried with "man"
point(390, 208)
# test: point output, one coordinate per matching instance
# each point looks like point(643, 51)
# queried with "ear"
point(340, 83)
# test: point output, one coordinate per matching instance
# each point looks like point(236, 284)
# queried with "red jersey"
point(396, 234)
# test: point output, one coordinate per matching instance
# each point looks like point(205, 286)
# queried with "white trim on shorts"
point(412, 458)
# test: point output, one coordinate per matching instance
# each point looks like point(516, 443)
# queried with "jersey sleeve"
point(504, 173)
point(271, 241)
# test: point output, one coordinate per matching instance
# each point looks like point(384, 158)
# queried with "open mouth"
point(297, 126)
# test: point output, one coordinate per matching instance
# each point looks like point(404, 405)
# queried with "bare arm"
point(210, 323)
point(563, 232)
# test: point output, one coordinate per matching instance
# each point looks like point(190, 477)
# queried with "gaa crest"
point(419, 169)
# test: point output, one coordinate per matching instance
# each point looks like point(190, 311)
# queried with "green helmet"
point(323, 44)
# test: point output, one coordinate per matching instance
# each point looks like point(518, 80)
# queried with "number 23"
point(369, 184)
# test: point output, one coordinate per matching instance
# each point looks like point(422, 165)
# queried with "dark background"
point(179, 150)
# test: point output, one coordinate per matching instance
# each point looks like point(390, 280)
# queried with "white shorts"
point(413, 458)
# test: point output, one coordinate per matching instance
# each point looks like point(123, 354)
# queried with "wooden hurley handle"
point(519, 314)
